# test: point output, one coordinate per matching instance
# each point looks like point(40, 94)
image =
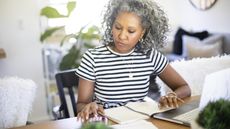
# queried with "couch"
point(192, 47)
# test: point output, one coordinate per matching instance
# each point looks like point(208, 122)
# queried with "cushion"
point(177, 44)
point(194, 47)
point(16, 97)
point(195, 70)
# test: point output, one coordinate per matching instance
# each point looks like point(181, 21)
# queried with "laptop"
point(182, 115)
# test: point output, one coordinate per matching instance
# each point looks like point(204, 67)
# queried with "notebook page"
point(149, 108)
point(123, 115)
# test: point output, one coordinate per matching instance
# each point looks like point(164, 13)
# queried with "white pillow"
point(16, 98)
point(203, 50)
point(211, 46)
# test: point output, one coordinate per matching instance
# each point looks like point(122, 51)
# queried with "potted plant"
point(215, 115)
point(95, 125)
point(84, 37)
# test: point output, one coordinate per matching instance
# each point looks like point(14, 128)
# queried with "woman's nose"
point(122, 35)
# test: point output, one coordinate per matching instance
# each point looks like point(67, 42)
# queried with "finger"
point(170, 101)
point(101, 110)
point(80, 117)
point(163, 101)
point(181, 100)
point(94, 109)
point(161, 104)
point(85, 114)
point(175, 102)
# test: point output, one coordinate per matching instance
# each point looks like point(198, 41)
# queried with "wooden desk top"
point(71, 123)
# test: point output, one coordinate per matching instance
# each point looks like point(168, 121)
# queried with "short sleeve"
point(86, 68)
point(159, 62)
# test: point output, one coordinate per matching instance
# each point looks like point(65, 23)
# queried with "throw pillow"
point(177, 44)
point(211, 46)
point(203, 50)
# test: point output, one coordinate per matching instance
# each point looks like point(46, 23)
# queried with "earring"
point(141, 40)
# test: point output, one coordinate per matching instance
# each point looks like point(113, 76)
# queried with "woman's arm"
point(170, 77)
point(85, 93)
point(85, 106)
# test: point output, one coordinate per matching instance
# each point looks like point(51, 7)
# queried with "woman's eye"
point(131, 31)
point(118, 28)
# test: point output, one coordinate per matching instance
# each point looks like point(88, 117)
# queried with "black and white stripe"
point(111, 71)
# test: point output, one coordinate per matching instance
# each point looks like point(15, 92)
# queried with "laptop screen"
point(216, 86)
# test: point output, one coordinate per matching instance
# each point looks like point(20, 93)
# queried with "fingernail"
point(106, 120)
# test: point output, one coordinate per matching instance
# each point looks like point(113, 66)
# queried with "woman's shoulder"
point(98, 50)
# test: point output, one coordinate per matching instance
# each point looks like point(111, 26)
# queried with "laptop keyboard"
point(188, 116)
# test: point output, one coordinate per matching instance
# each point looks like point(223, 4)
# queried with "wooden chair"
point(66, 80)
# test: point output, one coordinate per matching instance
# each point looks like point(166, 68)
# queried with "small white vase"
point(194, 125)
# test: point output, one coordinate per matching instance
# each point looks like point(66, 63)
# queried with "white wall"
point(182, 13)
point(19, 36)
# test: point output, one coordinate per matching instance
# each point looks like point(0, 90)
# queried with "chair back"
point(67, 80)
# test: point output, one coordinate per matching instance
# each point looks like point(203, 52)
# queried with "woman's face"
point(126, 30)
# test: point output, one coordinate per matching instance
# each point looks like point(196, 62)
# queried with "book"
point(140, 124)
point(134, 111)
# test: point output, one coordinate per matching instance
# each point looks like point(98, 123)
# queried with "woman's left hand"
point(170, 100)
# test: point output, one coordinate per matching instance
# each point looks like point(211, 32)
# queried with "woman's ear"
point(143, 33)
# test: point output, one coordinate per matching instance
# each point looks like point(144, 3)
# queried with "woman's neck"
point(113, 50)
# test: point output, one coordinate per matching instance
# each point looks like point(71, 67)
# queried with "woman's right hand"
point(90, 109)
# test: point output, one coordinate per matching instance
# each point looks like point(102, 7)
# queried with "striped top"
point(120, 78)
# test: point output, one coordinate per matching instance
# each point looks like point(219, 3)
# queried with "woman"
point(118, 72)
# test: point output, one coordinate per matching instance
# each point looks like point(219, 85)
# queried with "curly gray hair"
point(153, 21)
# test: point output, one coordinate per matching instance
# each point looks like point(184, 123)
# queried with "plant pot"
point(194, 124)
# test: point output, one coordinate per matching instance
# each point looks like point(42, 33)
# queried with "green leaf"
point(92, 33)
point(48, 32)
point(68, 37)
point(71, 6)
point(69, 61)
point(51, 12)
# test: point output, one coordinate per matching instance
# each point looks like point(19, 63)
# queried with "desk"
point(71, 123)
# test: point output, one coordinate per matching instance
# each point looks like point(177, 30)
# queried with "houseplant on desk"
point(216, 115)
point(95, 125)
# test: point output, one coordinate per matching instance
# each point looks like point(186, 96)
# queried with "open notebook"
point(134, 111)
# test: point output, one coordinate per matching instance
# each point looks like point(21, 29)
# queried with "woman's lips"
point(120, 44)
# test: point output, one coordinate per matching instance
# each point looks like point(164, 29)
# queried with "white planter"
point(194, 124)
